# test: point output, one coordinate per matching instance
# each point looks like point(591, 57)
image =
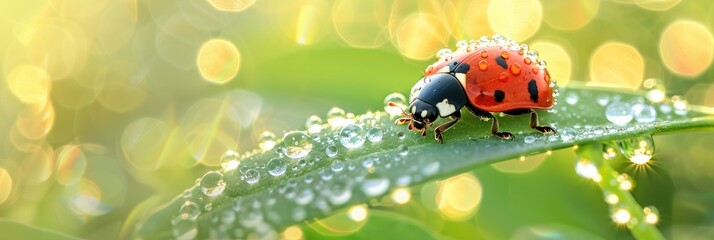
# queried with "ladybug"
point(489, 75)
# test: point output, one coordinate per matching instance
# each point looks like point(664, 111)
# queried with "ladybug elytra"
point(485, 76)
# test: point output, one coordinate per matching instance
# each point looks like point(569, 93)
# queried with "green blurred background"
point(110, 108)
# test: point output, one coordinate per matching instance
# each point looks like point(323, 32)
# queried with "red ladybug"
point(490, 75)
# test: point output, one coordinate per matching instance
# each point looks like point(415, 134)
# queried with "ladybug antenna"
point(392, 104)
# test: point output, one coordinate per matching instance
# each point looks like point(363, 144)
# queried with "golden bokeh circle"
point(686, 47)
point(560, 64)
point(458, 197)
point(513, 19)
point(231, 5)
point(30, 84)
point(218, 61)
point(143, 143)
point(476, 19)
point(569, 15)
point(360, 23)
point(657, 5)
point(617, 64)
point(420, 35)
point(5, 185)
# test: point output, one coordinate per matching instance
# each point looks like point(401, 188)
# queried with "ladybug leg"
point(494, 125)
point(443, 127)
point(534, 124)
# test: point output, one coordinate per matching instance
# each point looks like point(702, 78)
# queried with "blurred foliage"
point(105, 104)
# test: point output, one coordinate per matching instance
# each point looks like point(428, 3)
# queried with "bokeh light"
point(5, 185)
point(569, 15)
point(517, 20)
point(143, 143)
point(459, 196)
point(361, 23)
point(401, 195)
point(292, 233)
point(71, 164)
point(686, 47)
point(218, 61)
point(231, 5)
point(557, 56)
point(420, 35)
point(29, 83)
point(617, 64)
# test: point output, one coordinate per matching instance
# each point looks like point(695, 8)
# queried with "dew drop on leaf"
point(212, 183)
point(296, 144)
point(619, 113)
point(352, 136)
point(276, 167)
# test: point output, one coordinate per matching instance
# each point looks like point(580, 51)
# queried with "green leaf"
point(317, 185)
point(15, 230)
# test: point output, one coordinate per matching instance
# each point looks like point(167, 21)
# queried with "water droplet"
point(313, 124)
point(621, 216)
point(212, 183)
point(339, 194)
point(296, 144)
point(541, 64)
point(403, 150)
point(681, 107)
point(602, 100)
point(375, 185)
point(304, 197)
point(184, 229)
point(189, 210)
point(399, 100)
point(644, 113)
point(336, 117)
point(619, 113)
point(251, 176)
point(430, 169)
point(337, 166)
point(352, 136)
point(651, 214)
point(532, 54)
point(608, 152)
point(401, 135)
point(443, 53)
point(567, 134)
point(529, 139)
point(483, 65)
point(624, 182)
point(515, 69)
point(326, 174)
point(208, 207)
point(187, 193)
point(656, 95)
point(331, 151)
point(571, 98)
point(484, 54)
point(266, 141)
point(375, 134)
point(368, 163)
point(230, 160)
point(638, 150)
point(461, 45)
point(277, 167)
point(586, 169)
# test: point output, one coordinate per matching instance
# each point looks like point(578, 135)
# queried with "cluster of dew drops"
point(340, 132)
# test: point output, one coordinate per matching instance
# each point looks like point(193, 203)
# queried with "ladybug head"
point(420, 116)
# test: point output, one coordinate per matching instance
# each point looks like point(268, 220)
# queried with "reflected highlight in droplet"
point(231, 5)
point(218, 61)
point(501, 17)
point(617, 64)
point(569, 15)
point(420, 35)
point(5, 185)
point(686, 47)
point(459, 196)
point(360, 23)
point(556, 55)
point(71, 164)
point(30, 84)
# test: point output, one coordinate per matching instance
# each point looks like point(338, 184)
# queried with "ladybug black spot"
point(533, 90)
point(463, 68)
point(502, 62)
point(499, 95)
